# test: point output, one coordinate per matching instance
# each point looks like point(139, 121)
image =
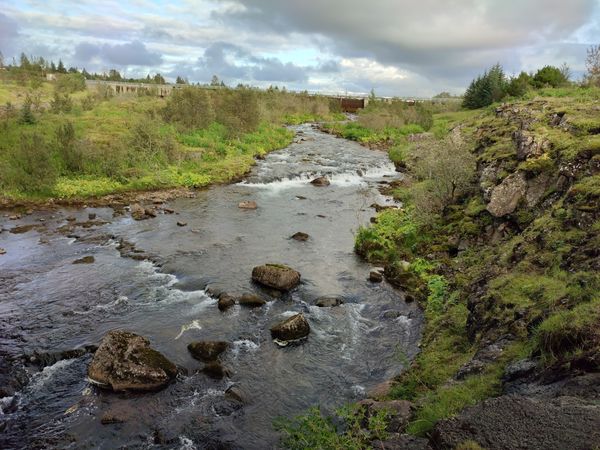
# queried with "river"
point(48, 305)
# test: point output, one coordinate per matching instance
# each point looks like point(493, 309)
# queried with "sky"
point(395, 47)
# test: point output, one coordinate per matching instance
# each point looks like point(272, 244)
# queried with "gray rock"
point(207, 350)
point(509, 422)
point(137, 212)
point(293, 328)
point(519, 369)
point(506, 196)
point(320, 181)
point(215, 369)
point(226, 301)
point(276, 276)
point(328, 302)
point(251, 300)
point(300, 236)
point(375, 276)
point(124, 361)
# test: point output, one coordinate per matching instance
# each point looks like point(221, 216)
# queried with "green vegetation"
point(65, 142)
point(527, 280)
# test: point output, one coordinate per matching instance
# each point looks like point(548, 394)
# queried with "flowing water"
point(48, 304)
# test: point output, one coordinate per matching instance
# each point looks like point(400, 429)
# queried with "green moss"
point(528, 290)
point(537, 165)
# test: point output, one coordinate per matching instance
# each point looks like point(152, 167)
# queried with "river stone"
point(226, 301)
point(328, 302)
point(291, 329)
point(375, 276)
point(251, 300)
point(125, 362)
point(137, 212)
point(85, 260)
point(300, 236)
point(2, 251)
point(236, 394)
point(248, 204)
point(320, 181)
point(276, 276)
point(207, 350)
point(506, 196)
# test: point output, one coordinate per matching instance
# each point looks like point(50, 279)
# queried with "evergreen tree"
point(486, 89)
point(61, 67)
point(52, 67)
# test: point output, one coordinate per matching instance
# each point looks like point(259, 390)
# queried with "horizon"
point(397, 49)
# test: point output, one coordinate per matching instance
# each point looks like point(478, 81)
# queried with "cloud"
point(128, 54)
point(9, 30)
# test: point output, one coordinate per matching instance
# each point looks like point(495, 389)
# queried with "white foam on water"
point(186, 443)
point(5, 402)
point(194, 325)
point(243, 345)
point(40, 379)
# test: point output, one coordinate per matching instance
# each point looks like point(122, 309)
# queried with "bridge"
point(348, 103)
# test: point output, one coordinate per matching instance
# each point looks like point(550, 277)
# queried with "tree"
point(549, 76)
point(518, 86)
point(592, 64)
point(486, 89)
point(159, 79)
point(27, 116)
point(24, 61)
point(114, 75)
point(214, 81)
point(181, 80)
point(52, 67)
point(61, 67)
point(1, 60)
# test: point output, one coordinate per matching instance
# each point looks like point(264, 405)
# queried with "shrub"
point(549, 76)
point(70, 83)
point(26, 117)
point(67, 147)
point(518, 86)
point(61, 103)
point(190, 108)
point(32, 162)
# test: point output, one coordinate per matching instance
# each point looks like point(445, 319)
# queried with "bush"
point(26, 117)
point(518, 86)
point(67, 147)
point(238, 111)
point(486, 89)
point(61, 103)
point(149, 145)
point(70, 83)
point(190, 108)
point(32, 162)
point(549, 76)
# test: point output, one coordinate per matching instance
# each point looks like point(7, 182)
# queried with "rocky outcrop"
point(506, 196)
point(124, 361)
point(276, 276)
point(529, 146)
point(207, 350)
point(294, 328)
point(509, 422)
point(320, 181)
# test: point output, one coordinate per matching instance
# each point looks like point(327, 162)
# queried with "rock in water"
point(248, 204)
point(215, 369)
point(291, 329)
point(375, 276)
point(137, 212)
point(320, 181)
point(125, 362)
point(207, 350)
point(251, 300)
point(328, 302)
point(300, 236)
point(276, 276)
point(85, 260)
point(226, 301)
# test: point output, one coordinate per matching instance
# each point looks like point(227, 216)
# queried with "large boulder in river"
point(293, 328)
point(207, 350)
point(125, 362)
point(276, 276)
point(226, 301)
point(320, 181)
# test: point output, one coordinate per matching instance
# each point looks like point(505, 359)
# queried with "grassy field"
point(73, 145)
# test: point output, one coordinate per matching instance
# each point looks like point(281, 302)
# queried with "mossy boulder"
point(276, 276)
point(124, 361)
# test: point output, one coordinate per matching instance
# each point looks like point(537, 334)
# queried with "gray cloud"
point(9, 30)
point(128, 54)
point(436, 39)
